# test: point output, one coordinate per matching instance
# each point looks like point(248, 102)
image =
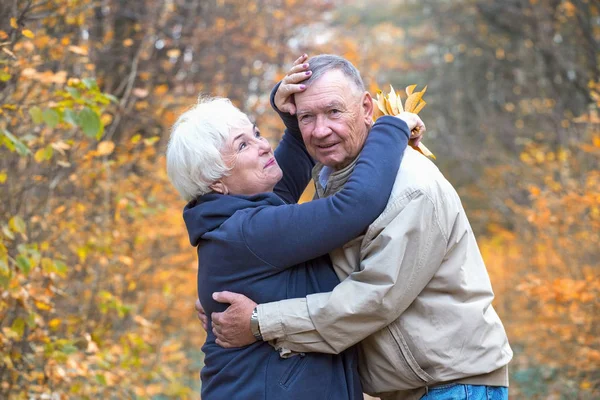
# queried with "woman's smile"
point(270, 163)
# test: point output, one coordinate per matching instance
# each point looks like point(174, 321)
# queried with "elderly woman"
point(253, 238)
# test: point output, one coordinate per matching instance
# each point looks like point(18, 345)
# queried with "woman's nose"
point(264, 146)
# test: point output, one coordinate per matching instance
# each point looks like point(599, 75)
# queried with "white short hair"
point(194, 160)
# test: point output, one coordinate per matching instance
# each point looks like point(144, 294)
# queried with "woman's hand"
point(201, 315)
point(290, 84)
point(415, 125)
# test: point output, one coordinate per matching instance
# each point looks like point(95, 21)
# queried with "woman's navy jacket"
point(269, 248)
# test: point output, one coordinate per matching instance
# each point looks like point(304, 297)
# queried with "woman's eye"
point(242, 145)
point(257, 133)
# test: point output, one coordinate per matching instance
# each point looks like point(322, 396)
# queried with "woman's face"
point(253, 166)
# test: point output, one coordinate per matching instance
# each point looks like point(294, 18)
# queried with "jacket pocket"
point(413, 367)
point(296, 366)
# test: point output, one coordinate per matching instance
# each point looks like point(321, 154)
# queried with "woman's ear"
point(219, 187)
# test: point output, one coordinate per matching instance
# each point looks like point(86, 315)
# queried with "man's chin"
point(336, 163)
point(336, 160)
point(328, 160)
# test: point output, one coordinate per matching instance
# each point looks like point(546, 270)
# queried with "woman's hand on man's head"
point(291, 84)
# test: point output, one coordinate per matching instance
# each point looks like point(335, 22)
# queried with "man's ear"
point(367, 106)
point(219, 187)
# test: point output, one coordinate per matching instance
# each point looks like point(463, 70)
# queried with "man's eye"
point(335, 111)
point(305, 118)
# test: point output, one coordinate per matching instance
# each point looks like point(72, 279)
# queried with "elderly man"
point(414, 290)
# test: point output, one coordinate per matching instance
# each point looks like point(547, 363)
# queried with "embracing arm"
point(292, 157)
point(395, 267)
point(291, 154)
point(306, 231)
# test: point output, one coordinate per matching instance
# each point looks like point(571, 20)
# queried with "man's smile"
point(326, 146)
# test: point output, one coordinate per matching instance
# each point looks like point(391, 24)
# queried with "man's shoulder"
point(419, 180)
point(417, 173)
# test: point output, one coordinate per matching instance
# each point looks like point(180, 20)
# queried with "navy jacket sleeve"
point(292, 157)
point(286, 235)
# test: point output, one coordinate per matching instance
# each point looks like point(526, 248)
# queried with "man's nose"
point(322, 129)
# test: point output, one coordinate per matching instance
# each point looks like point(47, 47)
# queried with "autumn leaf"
point(105, 148)
point(13, 23)
point(106, 119)
point(173, 53)
point(425, 151)
point(161, 89)
point(10, 53)
point(82, 51)
point(419, 107)
point(413, 101)
point(28, 34)
point(391, 104)
point(381, 103)
point(17, 224)
point(39, 156)
point(54, 323)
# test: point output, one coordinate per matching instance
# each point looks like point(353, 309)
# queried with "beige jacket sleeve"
point(397, 261)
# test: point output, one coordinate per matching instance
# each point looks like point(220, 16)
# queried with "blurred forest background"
point(97, 277)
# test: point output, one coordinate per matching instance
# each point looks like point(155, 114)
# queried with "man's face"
point(334, 119)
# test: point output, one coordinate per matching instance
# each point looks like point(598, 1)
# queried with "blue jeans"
point(457, 391)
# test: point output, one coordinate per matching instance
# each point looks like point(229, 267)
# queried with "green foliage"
point(51, 117)
point(89, 121)
point(96, 274)
point(12, 143)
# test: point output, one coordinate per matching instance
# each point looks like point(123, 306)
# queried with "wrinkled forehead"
point(331, 89)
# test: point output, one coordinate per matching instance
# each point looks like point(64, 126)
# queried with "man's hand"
point(201, 315)
point(232, 327)
point(284, 98)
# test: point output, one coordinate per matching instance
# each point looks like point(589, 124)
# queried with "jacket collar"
point(335, 182)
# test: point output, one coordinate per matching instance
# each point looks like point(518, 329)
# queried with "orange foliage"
point(97, 276)
point(546, 269)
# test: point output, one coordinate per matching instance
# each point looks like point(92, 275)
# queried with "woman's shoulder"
point(215, 212)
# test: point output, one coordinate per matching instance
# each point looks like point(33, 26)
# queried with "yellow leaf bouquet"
point(391, 104)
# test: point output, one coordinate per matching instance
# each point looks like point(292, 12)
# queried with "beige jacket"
point(415, 293)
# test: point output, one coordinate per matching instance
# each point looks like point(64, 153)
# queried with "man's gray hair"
point(323, 63)
point(194, 159)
